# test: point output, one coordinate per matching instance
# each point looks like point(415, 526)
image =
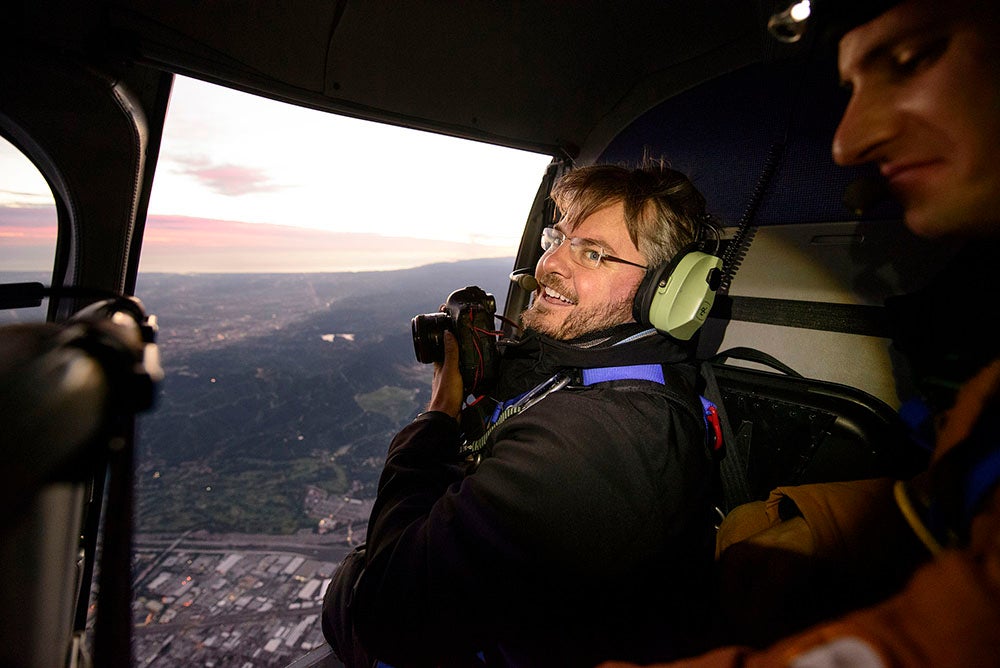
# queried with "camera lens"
point(428, 336)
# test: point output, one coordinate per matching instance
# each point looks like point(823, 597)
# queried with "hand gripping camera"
point(469, 314)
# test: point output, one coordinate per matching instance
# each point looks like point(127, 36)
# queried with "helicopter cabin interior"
point(811, 281)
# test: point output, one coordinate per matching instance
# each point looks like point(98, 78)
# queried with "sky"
point(249, 184)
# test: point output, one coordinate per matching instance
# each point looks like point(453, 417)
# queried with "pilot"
point(586, 529)
point(924, 78)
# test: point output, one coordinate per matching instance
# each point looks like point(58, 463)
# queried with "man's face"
point(925, 106)
point(572, 300)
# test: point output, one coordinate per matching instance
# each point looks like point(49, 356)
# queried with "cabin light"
point(789, 26)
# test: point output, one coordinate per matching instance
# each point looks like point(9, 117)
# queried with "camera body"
point(469, 314)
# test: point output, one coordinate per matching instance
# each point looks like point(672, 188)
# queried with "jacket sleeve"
point(337, 621)
point(808, 553)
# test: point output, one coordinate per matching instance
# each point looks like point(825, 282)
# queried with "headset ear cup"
point(646, 291)
point(676, 297)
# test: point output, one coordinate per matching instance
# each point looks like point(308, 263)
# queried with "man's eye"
point(592, 255)
point(909, 61)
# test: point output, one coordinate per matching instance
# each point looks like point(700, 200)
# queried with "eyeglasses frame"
point(564, 239)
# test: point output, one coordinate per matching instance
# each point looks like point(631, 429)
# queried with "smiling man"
point(626, 221)
point(571, 302)
point(586, 525)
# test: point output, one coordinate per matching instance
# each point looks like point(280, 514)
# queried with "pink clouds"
point(182, 244)
point(27, 238)
point(230, 179)
point(179, 244)
point(28, 225)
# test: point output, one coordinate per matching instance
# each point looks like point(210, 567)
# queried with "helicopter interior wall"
point(722, 135)
point(852, 263)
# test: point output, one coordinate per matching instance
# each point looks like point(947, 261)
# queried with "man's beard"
point(580, 321)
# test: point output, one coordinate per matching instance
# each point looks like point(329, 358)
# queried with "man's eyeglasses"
point(583, 252)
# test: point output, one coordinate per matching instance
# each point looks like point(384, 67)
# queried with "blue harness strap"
point(653, 372)
point(592, 376)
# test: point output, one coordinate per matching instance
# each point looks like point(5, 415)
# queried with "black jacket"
point(585, 535)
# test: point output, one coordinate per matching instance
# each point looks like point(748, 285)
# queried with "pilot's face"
point(573, 300)
point(925, 106)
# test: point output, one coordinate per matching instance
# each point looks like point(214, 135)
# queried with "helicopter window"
point(284, 255)
point(27, 229)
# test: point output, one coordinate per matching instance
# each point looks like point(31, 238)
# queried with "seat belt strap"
point(732, 467)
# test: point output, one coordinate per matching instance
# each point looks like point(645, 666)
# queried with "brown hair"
point(663, 210)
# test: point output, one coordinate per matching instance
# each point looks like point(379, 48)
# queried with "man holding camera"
point(583, 528)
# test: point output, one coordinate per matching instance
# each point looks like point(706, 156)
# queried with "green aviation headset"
point(676, 296)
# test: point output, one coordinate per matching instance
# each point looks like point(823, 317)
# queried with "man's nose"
point(556, 260)
point(867, 124)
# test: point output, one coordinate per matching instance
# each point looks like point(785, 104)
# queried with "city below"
point(239, 600)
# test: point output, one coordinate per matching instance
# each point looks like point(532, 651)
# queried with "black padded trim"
point(826, 316)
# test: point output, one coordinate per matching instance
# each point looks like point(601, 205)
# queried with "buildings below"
point(237, 600)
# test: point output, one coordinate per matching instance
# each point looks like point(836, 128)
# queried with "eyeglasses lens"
point(584, 254)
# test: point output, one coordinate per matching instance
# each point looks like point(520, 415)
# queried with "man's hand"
point(446, 388)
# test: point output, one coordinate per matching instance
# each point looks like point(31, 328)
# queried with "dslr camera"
point(469, 314)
